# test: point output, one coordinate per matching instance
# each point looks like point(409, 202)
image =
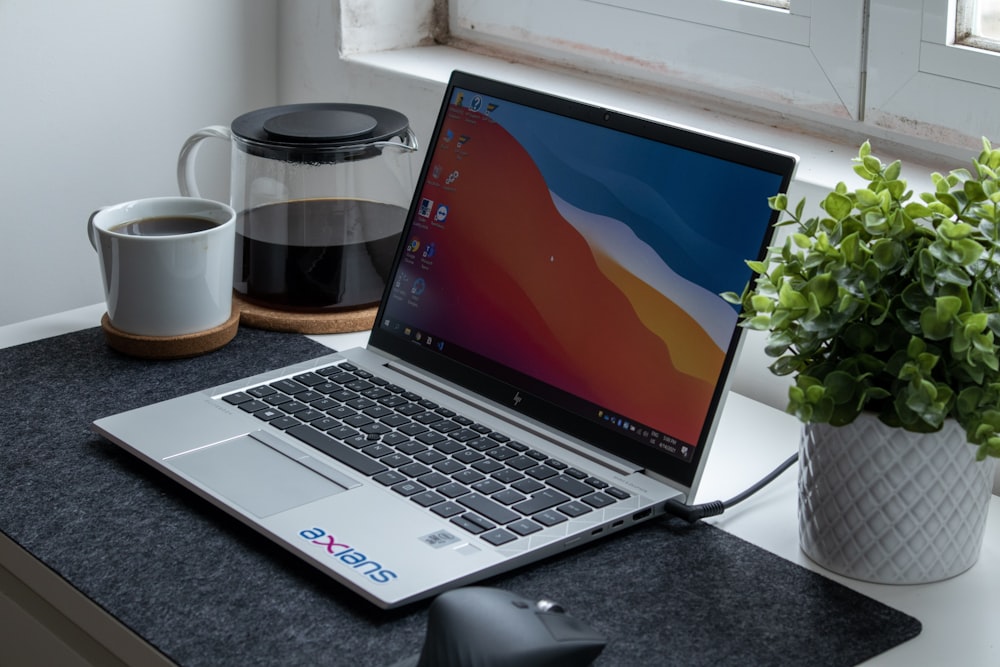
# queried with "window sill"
point(825, 153)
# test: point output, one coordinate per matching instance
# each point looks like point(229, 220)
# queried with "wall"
point(98, 97)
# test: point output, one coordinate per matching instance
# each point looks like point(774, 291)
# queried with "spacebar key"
point(336, 450)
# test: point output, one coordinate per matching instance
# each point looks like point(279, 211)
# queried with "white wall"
point(96, 99)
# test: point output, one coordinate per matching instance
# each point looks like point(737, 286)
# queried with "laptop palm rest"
point(261, 474)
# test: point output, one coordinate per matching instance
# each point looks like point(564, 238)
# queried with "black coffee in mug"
point(164, 226)
point(316, 254)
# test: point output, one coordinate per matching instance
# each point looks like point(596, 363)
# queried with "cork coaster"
point(262, 317)
point(171, 347)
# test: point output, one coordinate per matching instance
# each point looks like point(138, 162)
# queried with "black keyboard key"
point(378, 450)
point(288, 386)
point(542, 500)
point(427, 498)
point(488, 486)
point(429, 456)
point(507, 497)
point(309, 396)
point(412, 429)
point(406, 446)
point(414, 469)
point(358, 420)
point(284, 422)
point(540, 472)
point(450, 467)
point(508, 476)
point(498, 537)
point(268, 414)
point(261, 391)
point(576, 473)
point(553, 463)
point(549, 518)
point(527, 485)
point(447, 509)
point(574, 509)
point(445, 426)
point(616, 492)
point(598, 500)
point(446, 446)
point(501, 453)
point(490, 509)
point(524, 527)
point(431, 437)
point(309, 415)
point(396, 460)
point(408, 488)
point(517, 446)
point(283, 400)
point(428, 417)
point(400, 440)
point(237, 398)
point(471, 523)
point(596, 483)
point(336, 450)
point(521, 462)
point(468, 456)
point(433, 480)
point(481, 444)
point(463, 435)
point(537, 455)
point(389, 477)
point(467, 476)
point(570, 486)
point(487, 466)
point(253, 406)
point(452, 490)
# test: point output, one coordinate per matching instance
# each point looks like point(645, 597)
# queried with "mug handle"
point(90, 228)
point(185, 161)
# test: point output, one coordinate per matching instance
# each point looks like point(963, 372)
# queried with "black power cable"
point(692, 513)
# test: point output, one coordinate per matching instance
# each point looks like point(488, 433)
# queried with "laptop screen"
point(567, 261)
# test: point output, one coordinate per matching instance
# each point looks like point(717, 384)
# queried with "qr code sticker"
point(441, 538)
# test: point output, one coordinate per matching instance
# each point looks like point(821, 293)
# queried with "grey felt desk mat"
point(205, 590)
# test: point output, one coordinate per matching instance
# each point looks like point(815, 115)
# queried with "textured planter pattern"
point(890, 506)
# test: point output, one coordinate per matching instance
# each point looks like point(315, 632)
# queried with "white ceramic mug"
point(167, 281)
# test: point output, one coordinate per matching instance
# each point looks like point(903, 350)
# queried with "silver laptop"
point(547, 366)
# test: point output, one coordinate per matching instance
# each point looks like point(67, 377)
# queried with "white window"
point(919, 68)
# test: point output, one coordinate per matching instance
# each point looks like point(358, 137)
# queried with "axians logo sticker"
point(349, 555)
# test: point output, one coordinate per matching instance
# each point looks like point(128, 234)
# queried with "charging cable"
point(692, 513)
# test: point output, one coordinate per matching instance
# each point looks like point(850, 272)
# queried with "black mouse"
point(487, 627)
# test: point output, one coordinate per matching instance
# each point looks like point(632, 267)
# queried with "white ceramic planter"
point(889, 506)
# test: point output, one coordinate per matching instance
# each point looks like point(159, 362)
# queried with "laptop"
point(547, 366)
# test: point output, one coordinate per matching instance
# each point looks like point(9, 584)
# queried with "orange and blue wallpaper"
point(586, 258)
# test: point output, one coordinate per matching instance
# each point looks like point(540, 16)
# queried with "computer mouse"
point(479, 626)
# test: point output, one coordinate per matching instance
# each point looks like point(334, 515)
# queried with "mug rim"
point(208, 207)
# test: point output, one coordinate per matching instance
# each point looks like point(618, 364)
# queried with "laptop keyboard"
point(479, 479)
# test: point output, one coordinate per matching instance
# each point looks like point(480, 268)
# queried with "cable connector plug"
point(692, 513)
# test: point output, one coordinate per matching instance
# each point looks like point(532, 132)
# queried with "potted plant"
point(885, 307)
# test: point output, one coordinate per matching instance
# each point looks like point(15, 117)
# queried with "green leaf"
point(837, 205)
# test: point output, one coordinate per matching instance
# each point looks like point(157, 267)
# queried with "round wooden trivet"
point(171, 347)
point(272, 319)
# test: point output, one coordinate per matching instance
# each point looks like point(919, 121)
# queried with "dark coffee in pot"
point(316, 254)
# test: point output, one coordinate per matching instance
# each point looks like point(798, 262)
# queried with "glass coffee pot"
point(321, 192)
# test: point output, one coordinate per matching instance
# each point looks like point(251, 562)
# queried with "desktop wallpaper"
point(584, 257)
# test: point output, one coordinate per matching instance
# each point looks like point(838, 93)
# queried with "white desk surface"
point(959, 616)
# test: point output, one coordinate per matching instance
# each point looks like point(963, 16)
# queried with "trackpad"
point(252, 475)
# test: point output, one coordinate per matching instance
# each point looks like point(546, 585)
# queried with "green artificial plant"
point(889, 303)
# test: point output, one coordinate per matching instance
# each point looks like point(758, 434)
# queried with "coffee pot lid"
point(318, 132)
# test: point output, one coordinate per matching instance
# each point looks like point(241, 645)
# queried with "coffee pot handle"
point(185, 161)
